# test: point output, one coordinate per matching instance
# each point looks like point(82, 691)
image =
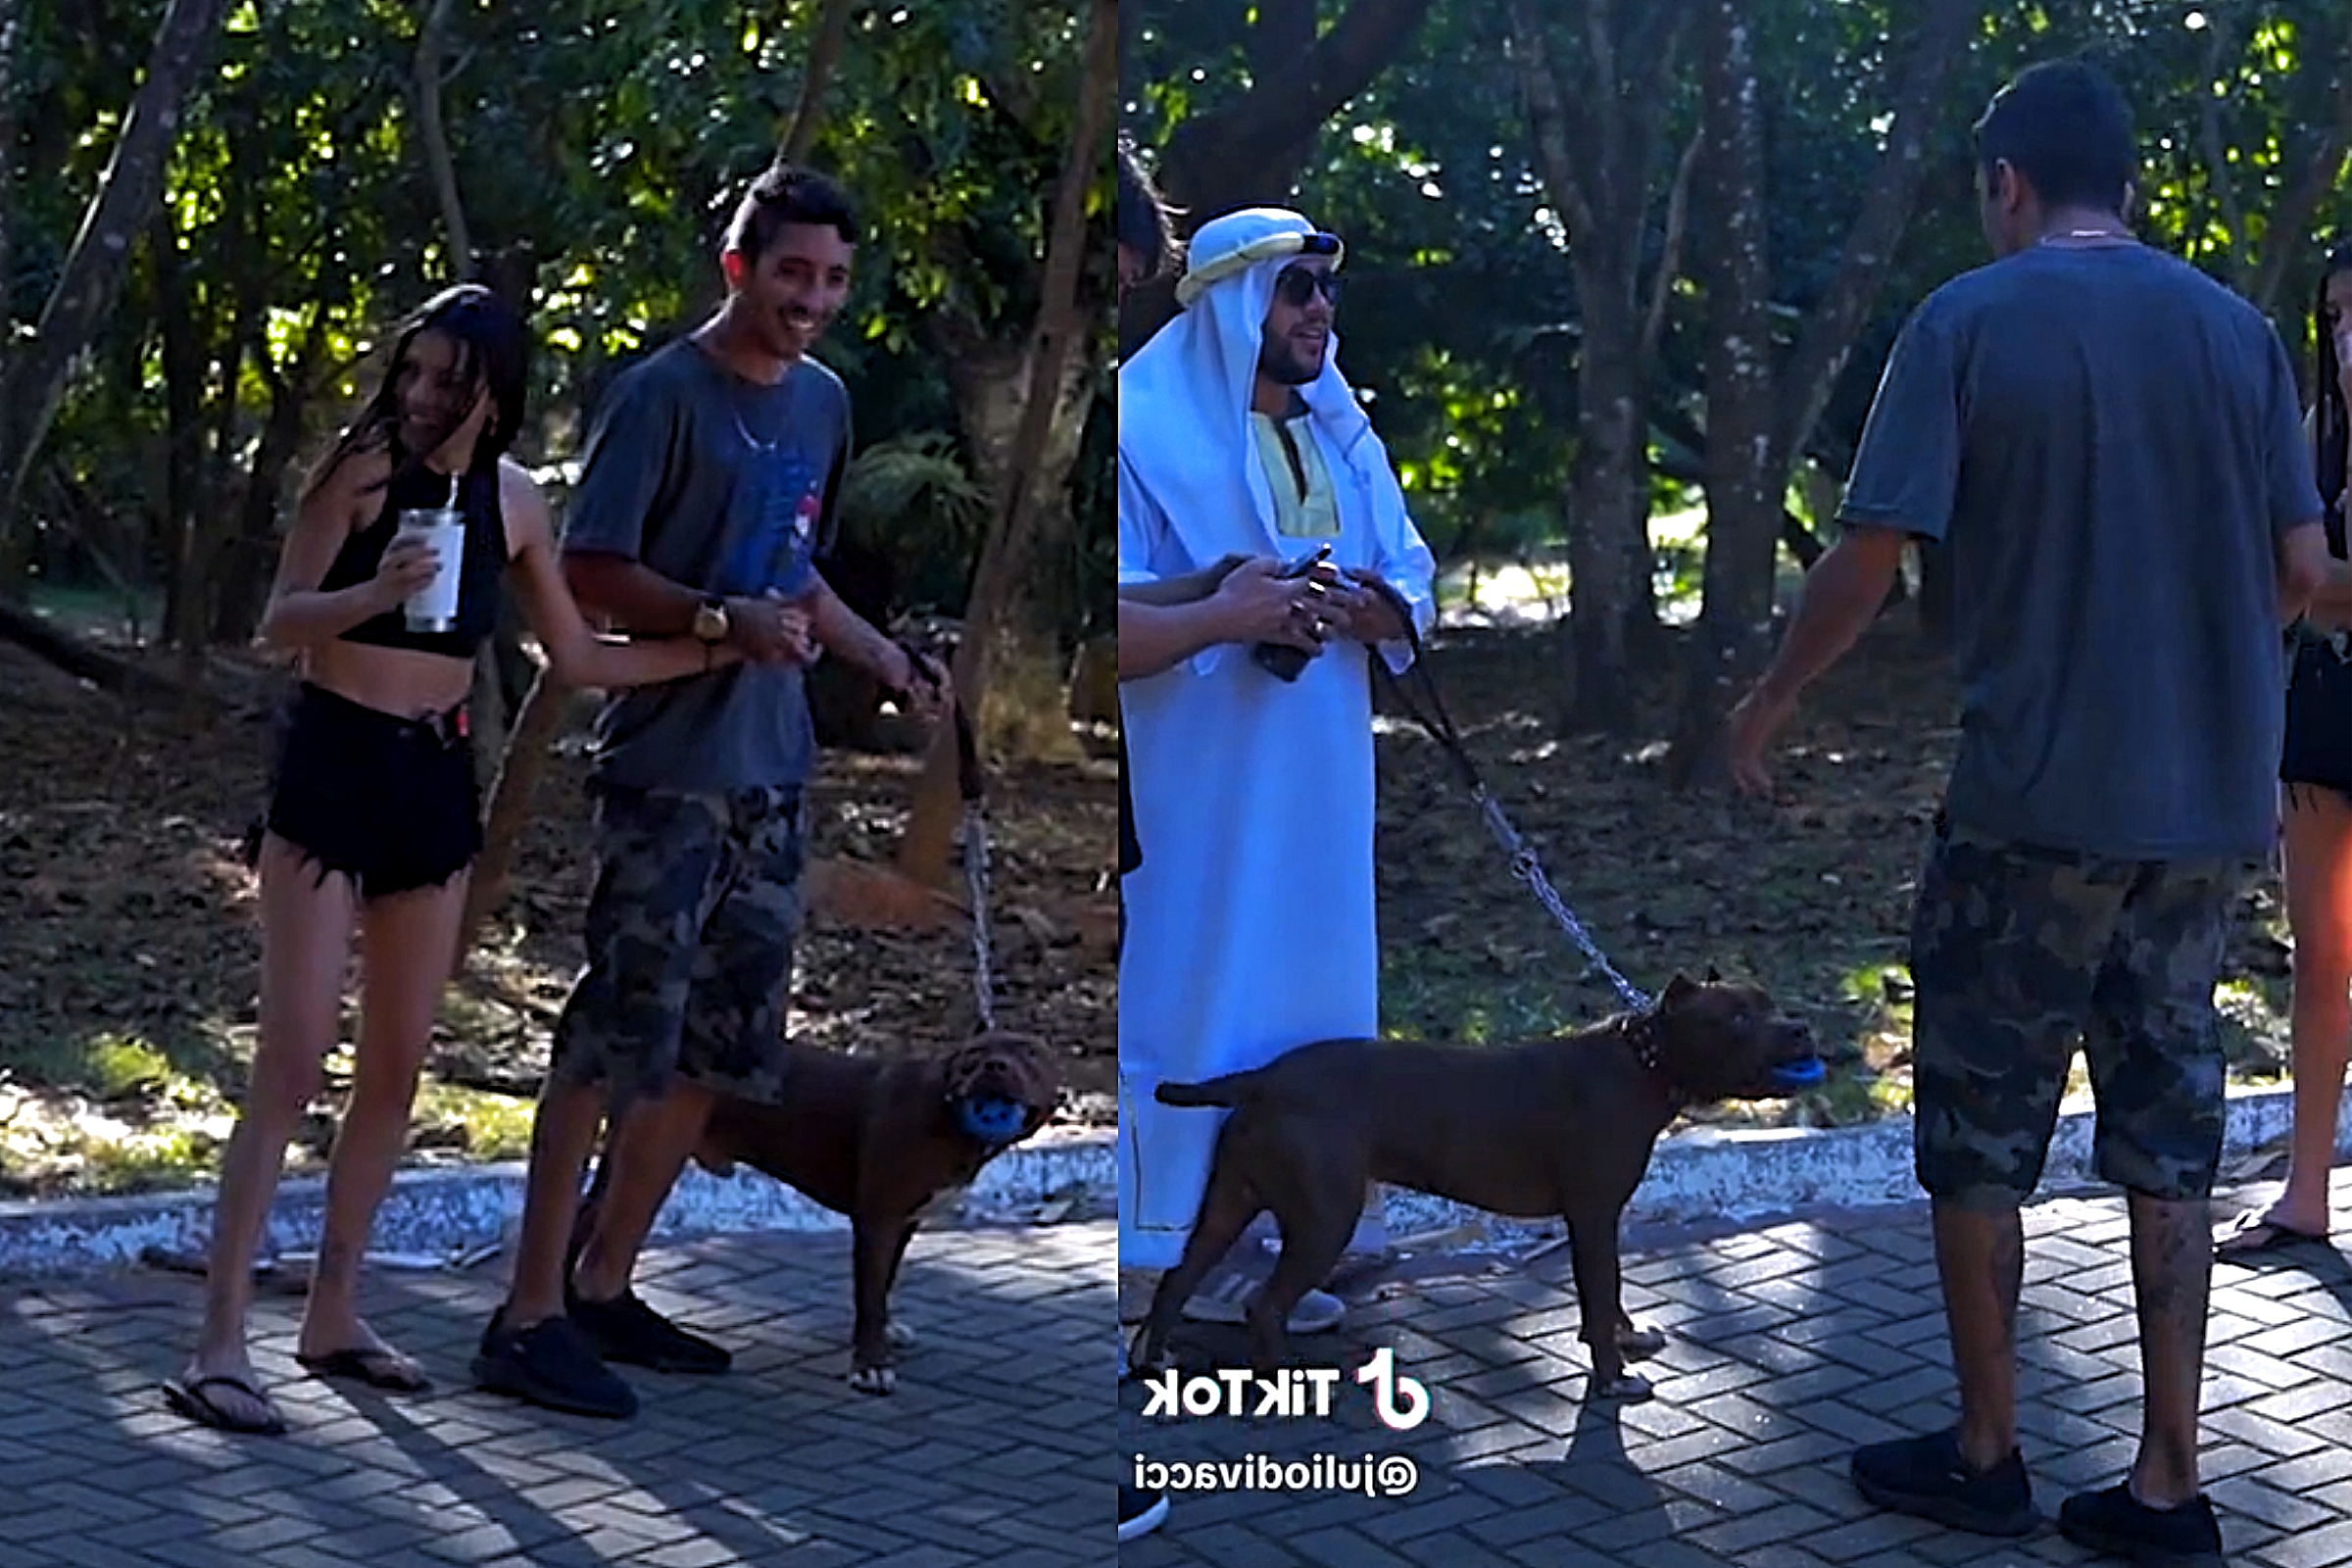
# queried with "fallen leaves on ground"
point(128, 934)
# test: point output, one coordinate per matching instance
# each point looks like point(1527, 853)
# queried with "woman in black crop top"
point(373, 818)
point(2314, 771)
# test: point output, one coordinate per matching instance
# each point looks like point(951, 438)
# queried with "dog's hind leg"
point(1226, 1210)
point(1309, 1253)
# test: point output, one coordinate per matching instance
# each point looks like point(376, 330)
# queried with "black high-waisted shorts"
point(389, 801)
point(2319, 719)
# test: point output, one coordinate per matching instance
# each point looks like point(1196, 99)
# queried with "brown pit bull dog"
point(887, 1142)
point(1561, 1126)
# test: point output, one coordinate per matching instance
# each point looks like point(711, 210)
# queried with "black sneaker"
point(551, 1363)
point(2117, 1523)
point(1140, 1512)
point(625, 1329)
point(1927, 1477)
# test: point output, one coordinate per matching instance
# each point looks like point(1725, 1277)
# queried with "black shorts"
point(389, 801)
point(2319, 719)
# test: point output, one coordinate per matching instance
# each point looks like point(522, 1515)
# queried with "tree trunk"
point(1598, 132)
point(522, 759)
point(250, 551)
point(1061, 325)
point(824, 53)
point(1744, 481)
point(1606, 514)
point(1760, 418)
point(92, 274)
point(1916, 98)
point(10, 31)
point(95, 664)
point(2323, 166)
point(188, 595)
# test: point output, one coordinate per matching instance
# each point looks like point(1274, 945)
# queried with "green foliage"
point(597, 150)
point(1462, 318)
point(119, 1067)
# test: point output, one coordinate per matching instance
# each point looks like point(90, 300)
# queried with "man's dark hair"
point(781, 197)
point(2064, 126)
point(1144, 223)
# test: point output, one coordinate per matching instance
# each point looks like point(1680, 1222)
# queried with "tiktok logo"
point(1387, 1384)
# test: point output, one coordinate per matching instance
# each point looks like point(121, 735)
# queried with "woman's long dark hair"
point(2332, 428)
point(493, 350)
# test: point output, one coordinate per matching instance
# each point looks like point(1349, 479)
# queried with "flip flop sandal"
point(383, 1369)
point(2256, 1234)
point(188, 1398)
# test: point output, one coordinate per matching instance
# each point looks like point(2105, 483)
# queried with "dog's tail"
point(1230, 1090)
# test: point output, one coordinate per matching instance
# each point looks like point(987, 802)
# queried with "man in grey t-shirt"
point(2107, 443)
point(707, 498)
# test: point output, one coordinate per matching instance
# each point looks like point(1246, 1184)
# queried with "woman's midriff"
point(391, 680)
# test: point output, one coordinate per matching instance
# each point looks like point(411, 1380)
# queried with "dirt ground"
point(129, 943)
point(1809, 893)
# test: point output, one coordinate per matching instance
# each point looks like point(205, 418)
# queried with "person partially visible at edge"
point(2109, 444)
point(1251, 925)
point(2314, 775)
point(707, 502)
point(373, 819)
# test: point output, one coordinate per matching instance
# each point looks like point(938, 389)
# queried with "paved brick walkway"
point(995, 1449)
point(1789, 1345)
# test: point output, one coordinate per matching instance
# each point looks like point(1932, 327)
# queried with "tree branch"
point(2291, 222)
point(434, 135)
point(1287, 107)
point(2217, 153)
point(92, 274)
point(1061, 325)
point(1830, 329)
point(1670, 255)
point(1549, 123)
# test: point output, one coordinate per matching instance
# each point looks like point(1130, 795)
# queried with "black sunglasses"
point(1296, 285)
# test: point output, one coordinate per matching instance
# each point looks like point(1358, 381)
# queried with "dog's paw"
point(898, 1335)
point(1626, 1388)
point(1147, 1354)
point(874, 1379)
point(1637, 1344)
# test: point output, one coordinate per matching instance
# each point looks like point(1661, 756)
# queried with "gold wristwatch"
point(710, 623)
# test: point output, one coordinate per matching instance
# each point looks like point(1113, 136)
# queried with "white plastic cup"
point(435, 607)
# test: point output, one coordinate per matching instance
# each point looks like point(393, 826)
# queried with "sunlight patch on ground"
point(1532, 588)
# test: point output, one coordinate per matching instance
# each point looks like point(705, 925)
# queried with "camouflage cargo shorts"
point(2018, 952)
point(690, 938)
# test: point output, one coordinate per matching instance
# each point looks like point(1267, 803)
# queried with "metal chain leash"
point(975, 880)
point(973, 835)
point(1529, 870)
point(1524, 866)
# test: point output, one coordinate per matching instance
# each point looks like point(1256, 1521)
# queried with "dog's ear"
point(1714, 975)
point(1678, 990)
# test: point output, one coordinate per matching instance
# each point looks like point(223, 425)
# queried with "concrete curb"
point(1755, 1173)
point(440, 1213)
point(1700, 1174)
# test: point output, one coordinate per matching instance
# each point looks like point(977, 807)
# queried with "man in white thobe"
point(1250, 926)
